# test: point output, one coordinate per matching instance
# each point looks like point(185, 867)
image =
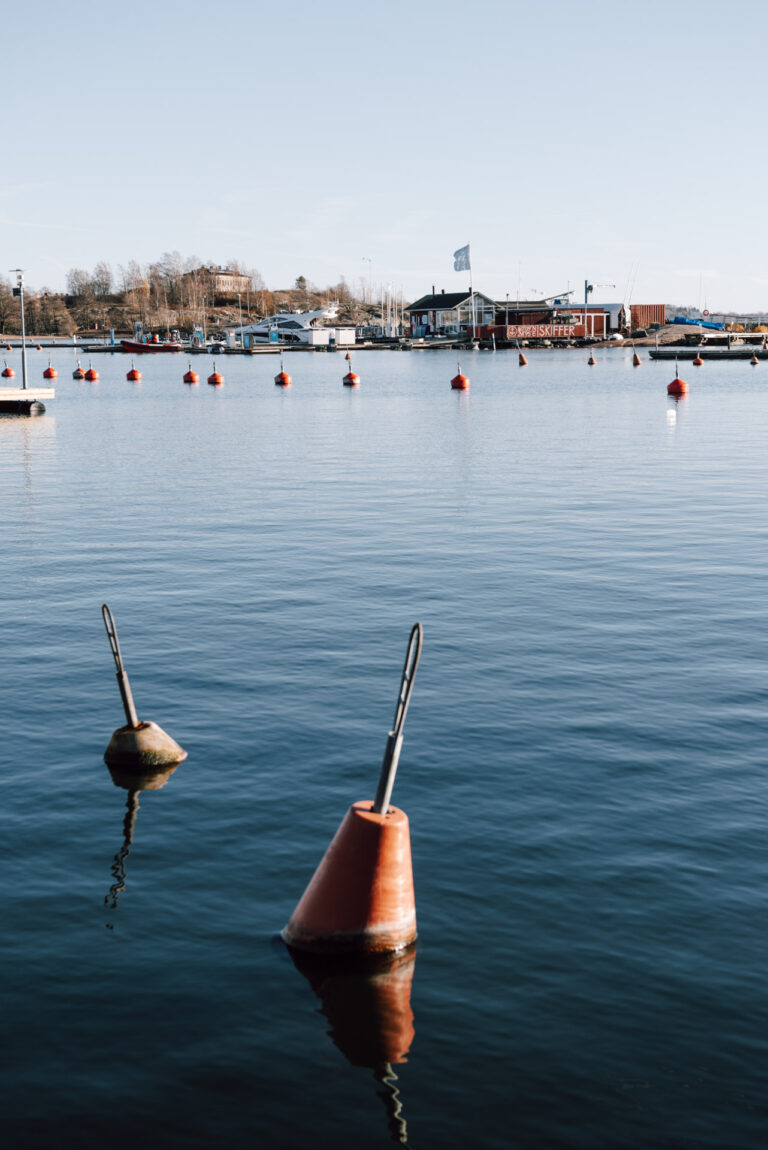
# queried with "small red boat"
point(134, 346)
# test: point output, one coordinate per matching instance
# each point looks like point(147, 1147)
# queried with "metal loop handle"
point(395, 737)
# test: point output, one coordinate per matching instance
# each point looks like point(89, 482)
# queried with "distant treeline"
point(172, 293)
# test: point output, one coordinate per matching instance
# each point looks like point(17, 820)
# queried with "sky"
point(621, 144)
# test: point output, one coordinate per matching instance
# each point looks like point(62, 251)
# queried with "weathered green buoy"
point(138, 745)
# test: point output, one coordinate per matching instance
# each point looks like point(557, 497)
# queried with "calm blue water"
point(584, 766)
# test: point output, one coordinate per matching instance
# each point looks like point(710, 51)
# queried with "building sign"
point(542, 331)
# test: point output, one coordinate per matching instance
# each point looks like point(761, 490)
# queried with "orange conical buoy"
point(191, 376)
point(360, 898)
point(215, 378)
point(522, 361)
point(8, 372)
point(636, 360)
point(39, 347)
point(283, 379)
point(591, 361)
point(50, 372)
point(78, 373)
point(133, 375)
point(698, 361)
point(754, 360)
point(91, 374)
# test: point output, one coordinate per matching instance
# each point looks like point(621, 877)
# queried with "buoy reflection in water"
point(367, 1002)
point(133, 782)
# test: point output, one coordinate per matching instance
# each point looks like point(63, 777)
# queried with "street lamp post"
point(240, 307)
point(19, 291)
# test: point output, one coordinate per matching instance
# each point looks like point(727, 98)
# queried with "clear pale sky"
point(564, 141)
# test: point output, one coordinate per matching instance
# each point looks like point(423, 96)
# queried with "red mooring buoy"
point(591, 361)
point(78, 373)
point(522, 361)
point(698, 361)
point(8, 372)
point(459, 382)
point(361, 898)
point(754, 360)
point(351, 380)
point(50, 372)
point(39, 347)
point(678, 387)
point(91, 374)
point(191, 376)
point(133, 375)
point(215, 378)
point(283, 379)
point(636, 360)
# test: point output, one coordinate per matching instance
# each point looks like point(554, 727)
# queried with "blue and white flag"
point(461, 260)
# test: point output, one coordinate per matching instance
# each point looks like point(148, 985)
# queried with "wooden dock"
point(24, 400)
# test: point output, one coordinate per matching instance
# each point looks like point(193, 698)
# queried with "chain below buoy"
point(8, 372)
point(90, 374)
point(215, 378)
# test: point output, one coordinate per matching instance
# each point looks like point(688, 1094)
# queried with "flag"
point(461, 260)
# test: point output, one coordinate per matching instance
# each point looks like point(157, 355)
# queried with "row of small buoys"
point(283, 379)
point(459, 382)
point(191, 376)
point(134, 375)
point(215, 378)
point(78, 373)
point(8, 372)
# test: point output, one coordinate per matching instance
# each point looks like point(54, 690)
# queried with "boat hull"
point(142, 348)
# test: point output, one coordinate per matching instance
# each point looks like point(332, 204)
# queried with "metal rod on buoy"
point(122, 677)
point(395, 737)
point(19, 291)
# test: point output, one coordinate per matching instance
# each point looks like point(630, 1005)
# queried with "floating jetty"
point(708, 352)
point(24, 400)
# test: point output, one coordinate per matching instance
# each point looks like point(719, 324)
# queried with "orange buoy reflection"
point(367, 1002)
